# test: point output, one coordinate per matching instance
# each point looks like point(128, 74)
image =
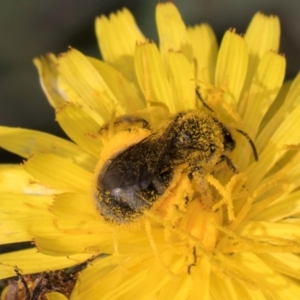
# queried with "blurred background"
point(30, 28)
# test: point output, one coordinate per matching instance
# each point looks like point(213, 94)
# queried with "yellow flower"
point(243, 244)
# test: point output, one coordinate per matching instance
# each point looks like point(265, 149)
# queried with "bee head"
point(202, 133)
point(228, 141)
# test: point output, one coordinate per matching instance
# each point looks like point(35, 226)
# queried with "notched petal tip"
point(65, 53)
point(85, 86)
point(47, 67)
point(145, 42)
point(265, 17)
point(171, 50)
point(61, 108)
point(115, 43)
point(172, 30)
point(263, 34)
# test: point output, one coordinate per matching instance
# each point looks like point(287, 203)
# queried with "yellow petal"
point(69, 236)
point(59, 236)
point(232, 66)
point(205, 51)
point(80, 127)
point(273, 150)
point(201, 279)
point(70, 244)
point(291, 101)
point(171, 30)
point(277, 103)
point(263, 229)
point(175, 289)
point(58, 173)
point(90, 283)
point(86, 87)
point(265, 86)
point(154, 271)
point(55, 296)
point(14, 180)
point(152, 76)
point(221, 287)
point(290, 172)
point(181, 83)
point(118, 46)
point(31, 261)
point(25, 143)
point(15, 231)
point(105, 281)
point(272, 284)
point(284, 263)
point(128, 94)
point(47, 69)
point(262, 35)
point(18, 212)
point(244, 292)
point(68, 231)
point(286, 206)
point(77, 206)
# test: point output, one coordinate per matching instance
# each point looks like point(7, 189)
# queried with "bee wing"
point(137, 165)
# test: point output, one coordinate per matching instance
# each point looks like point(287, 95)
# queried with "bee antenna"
point(238, 130)
point(202, 100)
point(250, 142)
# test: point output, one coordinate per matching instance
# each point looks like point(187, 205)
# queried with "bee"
point(136, 178)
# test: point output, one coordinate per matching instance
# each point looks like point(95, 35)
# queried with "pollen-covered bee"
point(135, 178)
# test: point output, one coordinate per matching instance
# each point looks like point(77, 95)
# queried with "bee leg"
point(130, 120)
point(195, 261)
point(197, 175)
point(199, 96)
point(125, 123)
point(229, 163)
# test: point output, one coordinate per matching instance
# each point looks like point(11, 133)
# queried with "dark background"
point(29, 28)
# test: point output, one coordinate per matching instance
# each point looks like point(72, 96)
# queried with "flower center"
point(202, 223)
